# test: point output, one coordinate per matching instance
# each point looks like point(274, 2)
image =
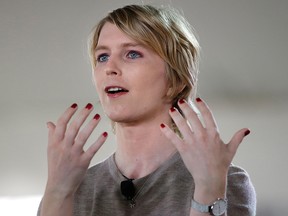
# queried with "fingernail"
point(247, 132)
point(172, 109)
point(162, 125)
point(96, 117)
point(105, 134)
point(89, 106)
point(198, 99)
point(74, 105)
point(181, 101)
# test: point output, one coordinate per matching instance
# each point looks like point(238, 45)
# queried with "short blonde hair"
point(165, 31)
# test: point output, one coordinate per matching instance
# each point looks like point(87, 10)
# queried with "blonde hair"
point(165, 31)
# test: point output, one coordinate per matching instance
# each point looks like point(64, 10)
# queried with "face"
point(130, 78)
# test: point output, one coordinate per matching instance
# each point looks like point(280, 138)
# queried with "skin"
point(126, 63)
point(144, 139)
point(139, 112)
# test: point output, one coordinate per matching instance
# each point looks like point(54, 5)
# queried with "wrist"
point(206, 194)
point(55, 204)
point(58, 193)
point(217, 207)
point(207, 191)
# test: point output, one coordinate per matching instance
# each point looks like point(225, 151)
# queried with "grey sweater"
point(166, 191)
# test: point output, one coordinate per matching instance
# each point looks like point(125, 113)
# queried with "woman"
point(167, 160)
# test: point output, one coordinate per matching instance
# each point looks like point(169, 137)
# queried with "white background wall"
point(44, 68)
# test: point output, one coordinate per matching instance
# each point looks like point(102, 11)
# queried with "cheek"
point(156, 84)
point(96, 81)
point(160, 79)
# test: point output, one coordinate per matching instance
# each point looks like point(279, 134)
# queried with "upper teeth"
point(114, 89)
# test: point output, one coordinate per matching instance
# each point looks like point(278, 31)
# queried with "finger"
point(181, 123)
point(63, 121)
point(92, 150)
point(237, 139)
point(171, 135)
point(86, 132)
point(51, 127)
point(207, 115)
point(191, 116)
point(75, 125)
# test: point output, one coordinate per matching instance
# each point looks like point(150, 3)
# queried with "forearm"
point(56, 205)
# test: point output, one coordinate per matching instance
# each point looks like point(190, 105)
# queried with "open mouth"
point(115, 90)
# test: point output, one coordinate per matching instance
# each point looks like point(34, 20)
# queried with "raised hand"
point(205, 155)
point(67, 160)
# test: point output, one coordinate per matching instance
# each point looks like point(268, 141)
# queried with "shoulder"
point(100, 170)
point(240, 191)
point(239, 178)
point(95, 174)
point(102, 165)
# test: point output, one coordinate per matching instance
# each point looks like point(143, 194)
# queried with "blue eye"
point(134, 55)
point(102, 58)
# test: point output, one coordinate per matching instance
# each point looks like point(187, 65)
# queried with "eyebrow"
point(103, 47)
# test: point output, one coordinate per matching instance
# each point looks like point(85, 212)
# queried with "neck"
point(141, 149)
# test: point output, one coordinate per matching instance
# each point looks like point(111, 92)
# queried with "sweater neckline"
point(118, 177)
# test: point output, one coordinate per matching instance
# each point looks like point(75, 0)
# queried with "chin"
point(122, 118)
point(116, 116)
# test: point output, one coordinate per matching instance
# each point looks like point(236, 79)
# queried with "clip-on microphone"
point(128, 189)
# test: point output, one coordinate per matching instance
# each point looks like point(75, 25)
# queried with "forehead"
point(111, 37)
point(110, 34)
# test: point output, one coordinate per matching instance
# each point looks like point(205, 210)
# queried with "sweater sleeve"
point(241, 194)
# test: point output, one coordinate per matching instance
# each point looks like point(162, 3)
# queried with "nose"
point(112, 67)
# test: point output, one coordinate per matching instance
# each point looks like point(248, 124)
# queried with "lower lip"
point(116, 95)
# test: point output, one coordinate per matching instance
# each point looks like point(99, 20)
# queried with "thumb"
point(51, 127)
point(237, 139)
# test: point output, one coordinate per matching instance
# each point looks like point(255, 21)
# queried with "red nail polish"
point(74, 105)
point(247, 132)
point(105, 134)
point(96, 117)
point(89, 106)
point(198, 99)
point(181, 101)
point(162, 125)
point(172, 109)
